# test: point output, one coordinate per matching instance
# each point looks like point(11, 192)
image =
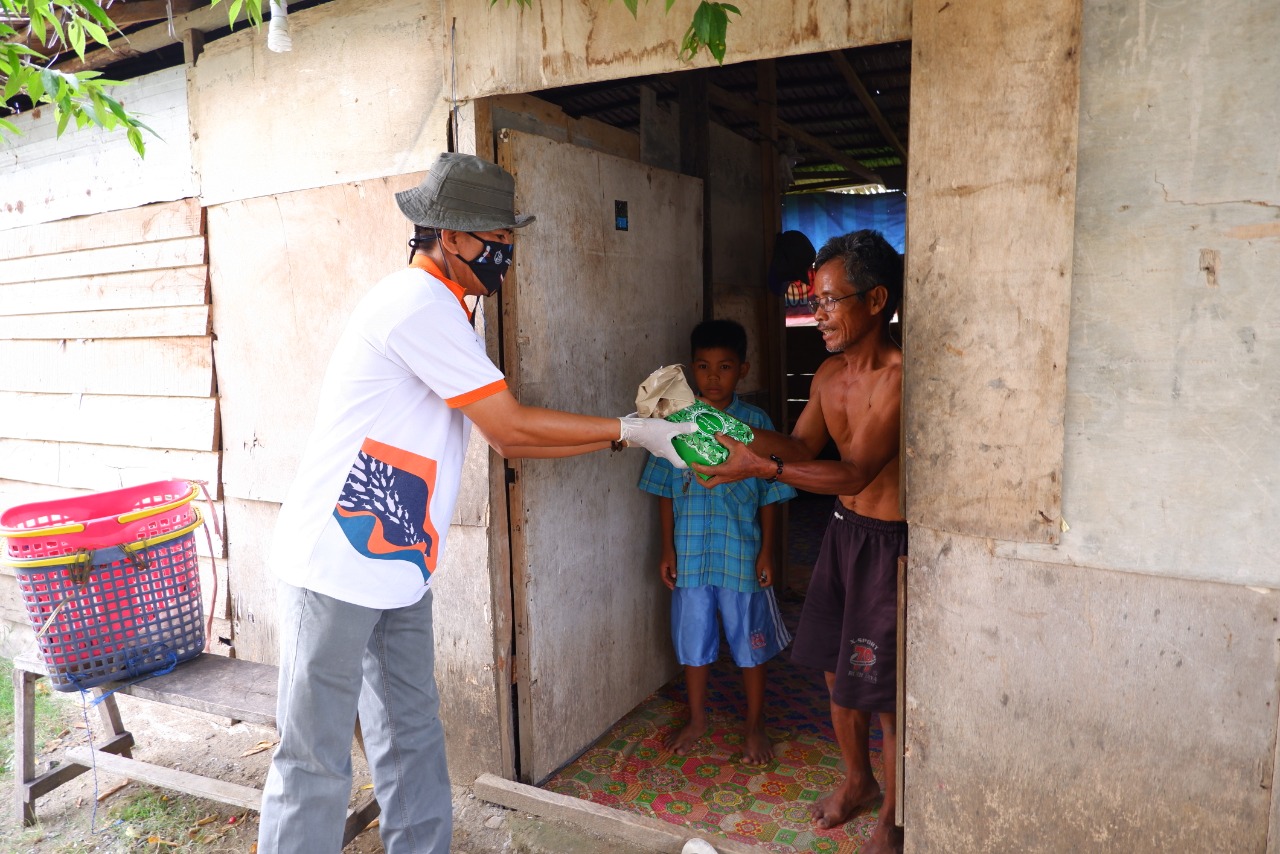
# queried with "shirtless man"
point(848, 626)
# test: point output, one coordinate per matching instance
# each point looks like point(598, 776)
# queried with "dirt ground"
point(204, 744)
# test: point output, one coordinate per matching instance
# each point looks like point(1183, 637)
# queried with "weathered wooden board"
point(279, 313)
point(373, 104)
point(179, 252)
point(243, 690)
point(737, 251)
point(11, 608)
point(210, 788)
point(1046, 704)
point(562, 42)
point(608, 824)
point(534, 115)
point(161, 221)
point(87, 171)
point(581, 531)
point(186, 423)
point(173, 367)
point(102, 467)
point(989, 262)
point(138, 289)
point(168, 322)
point(213, 586)
point(473, 681)
point(251, 584)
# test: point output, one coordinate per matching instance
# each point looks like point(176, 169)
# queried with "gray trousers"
point(336, 657)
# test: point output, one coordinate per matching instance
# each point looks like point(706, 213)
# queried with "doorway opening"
point(814, 144)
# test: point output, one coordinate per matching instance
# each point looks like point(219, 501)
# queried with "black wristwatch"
point(778, 473)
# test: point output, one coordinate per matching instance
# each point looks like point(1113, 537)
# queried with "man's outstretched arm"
point(515, 430)
point(872, 445)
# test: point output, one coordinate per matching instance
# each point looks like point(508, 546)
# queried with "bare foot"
point(757, 749)
point(841, 805)
point(885, 839)
point(680, 742)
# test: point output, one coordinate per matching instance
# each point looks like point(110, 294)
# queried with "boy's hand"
point(667, 568)
point(764, 570)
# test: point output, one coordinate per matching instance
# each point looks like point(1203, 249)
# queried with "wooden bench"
point(228, 687)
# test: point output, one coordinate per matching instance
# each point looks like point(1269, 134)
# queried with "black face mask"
point(491, 265)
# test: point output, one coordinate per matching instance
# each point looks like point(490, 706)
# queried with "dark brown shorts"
point(849, 625)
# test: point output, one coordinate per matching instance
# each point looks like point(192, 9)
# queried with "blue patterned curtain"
point(821, 216)
point(825, 215)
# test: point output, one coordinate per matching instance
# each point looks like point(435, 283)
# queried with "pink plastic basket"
point(116, 613)
point(68, 526)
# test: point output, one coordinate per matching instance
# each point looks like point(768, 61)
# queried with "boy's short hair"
point(719, 333)
point(869, 260)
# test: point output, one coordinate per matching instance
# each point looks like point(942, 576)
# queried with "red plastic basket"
point(68, 526)
point(116, 613)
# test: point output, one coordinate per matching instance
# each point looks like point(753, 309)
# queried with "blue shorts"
point(752, 625)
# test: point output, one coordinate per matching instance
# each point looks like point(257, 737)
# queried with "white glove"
point(655, 435)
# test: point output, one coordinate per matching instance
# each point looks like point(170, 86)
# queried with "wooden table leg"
point(110, 714)
point(27, 786)
point(24, 748)
point(360, 818)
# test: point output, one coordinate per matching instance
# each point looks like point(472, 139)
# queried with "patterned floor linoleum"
point(711, 790)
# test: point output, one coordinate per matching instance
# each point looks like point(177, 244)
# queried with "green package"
point(702, 447)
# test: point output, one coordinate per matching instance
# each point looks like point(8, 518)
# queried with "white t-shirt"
point(366, 518)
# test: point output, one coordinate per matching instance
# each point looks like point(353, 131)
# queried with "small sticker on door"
point(620, 222)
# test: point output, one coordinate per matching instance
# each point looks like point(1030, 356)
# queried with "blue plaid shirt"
point(717, 531)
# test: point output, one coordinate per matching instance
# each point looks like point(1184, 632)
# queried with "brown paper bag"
point(664, 391)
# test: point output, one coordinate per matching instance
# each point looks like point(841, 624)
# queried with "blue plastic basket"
point(115, 613)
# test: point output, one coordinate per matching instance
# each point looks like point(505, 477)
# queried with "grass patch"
point(149, 819)
point(53, 718)
point(141, 819)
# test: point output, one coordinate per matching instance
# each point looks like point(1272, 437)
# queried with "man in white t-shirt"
point(364, 524)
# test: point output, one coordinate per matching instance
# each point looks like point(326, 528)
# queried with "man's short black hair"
point(869, 260)
point(719, 333)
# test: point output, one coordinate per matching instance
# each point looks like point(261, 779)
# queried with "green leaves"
point(709, 28)
point(82, 98)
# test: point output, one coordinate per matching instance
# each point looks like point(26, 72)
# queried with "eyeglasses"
point(828, 303)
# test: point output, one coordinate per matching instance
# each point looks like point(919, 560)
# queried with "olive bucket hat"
point(463, 193)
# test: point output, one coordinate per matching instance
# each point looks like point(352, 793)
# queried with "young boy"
point(717, 553)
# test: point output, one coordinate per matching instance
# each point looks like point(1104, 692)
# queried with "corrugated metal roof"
point(813, 96)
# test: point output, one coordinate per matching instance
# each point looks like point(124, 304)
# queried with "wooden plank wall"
point(106, 364)
point(373, 103)
point(285, 273)
point(47, 178)
point(563, 42)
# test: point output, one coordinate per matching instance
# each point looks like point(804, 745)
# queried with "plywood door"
point(589, 311)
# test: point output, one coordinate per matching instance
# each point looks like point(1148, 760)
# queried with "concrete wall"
point(1118, 691)
point(1174, 373)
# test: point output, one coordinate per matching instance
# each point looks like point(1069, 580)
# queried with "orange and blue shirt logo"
point(384, 508)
